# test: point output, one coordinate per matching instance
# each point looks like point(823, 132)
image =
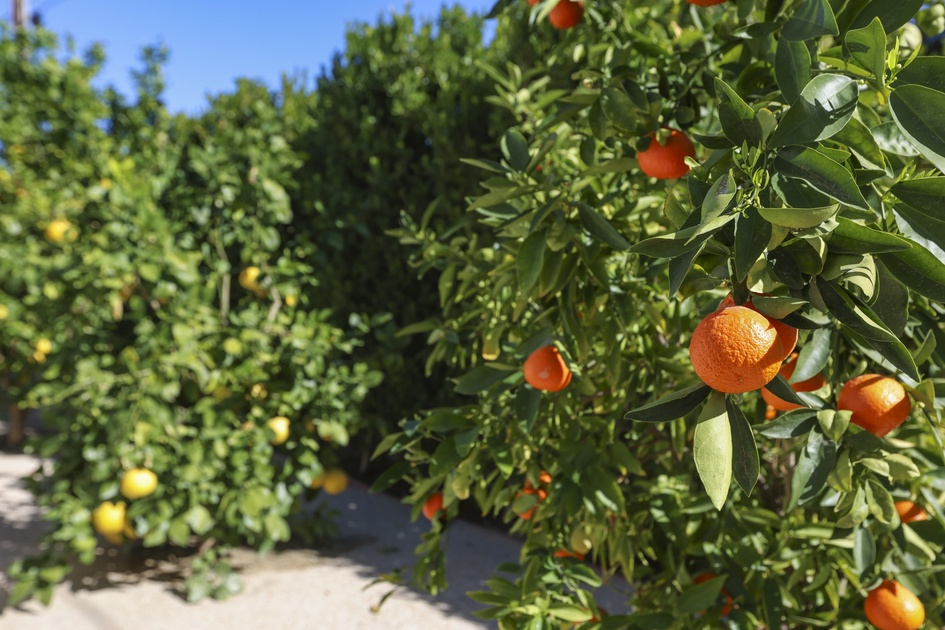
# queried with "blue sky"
point(214, 41)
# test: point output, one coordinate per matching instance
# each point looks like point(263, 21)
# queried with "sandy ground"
point(286, 590)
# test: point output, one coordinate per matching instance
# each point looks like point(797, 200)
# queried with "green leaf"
point(864, 550)
point(569, 613)
point(924, 200)
point(792, 424)
point(860, 140)
point(892, 13)
point(618, 108)
point(925, 71)
point(738, 119)
point(861, 320)
point(529, 260)
point(698, 597)
point(824, 107)
point(600, 228)
point(479, 379)
point(745, 463)
point(780, 388)
point(918, 269)
point(792, 68)
point(712, 449)
point(390, 476)
point(812, 358)
point(822, 173)
point(717, 199)
point(917, 111)
point(850, 237)
point(880, 502)
point(773, 604)
point(867, 47)
point(499, 196)
point(675, 405)
point(891, 140)
point(515, 149)
point(799, 218)
point(812, 19)
point(752, 234)
point(833, 423)
point(813, 467)
point(674, 244)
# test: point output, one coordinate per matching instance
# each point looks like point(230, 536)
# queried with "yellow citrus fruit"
point(279, 426)
point(248, 278)
point(138, 483)
point(258, 391)
point(879, 403)
point(891, 606)
point(39, 357)
point(43, 346)
point(59, 231)
point(109, 518)
point(909, 512)
point(735, 350)
point(4, 312)
point(291, 300)
point(335, 481)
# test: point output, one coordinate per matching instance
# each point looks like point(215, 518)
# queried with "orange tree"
point(772, 170)
point(155, 312)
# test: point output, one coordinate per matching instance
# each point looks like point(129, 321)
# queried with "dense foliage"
point(815, 191)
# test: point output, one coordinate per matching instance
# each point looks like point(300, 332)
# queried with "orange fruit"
point(532, 2)
point(735, 350)
point(705, 3)
point(563, 553)
point(542, 495)
point(787, 334)
point(891, 606)
point(546, 370)
point(811, 384)
point(770, 412)
point(705, 577)
point(566, 14)
point(667, 161)
point(879, 403)
point(433, 505)
point(909, 512)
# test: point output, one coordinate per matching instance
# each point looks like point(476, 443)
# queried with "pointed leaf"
point(850, 237)
point(924, 200)
point(824, 107)
point(822, 173)
point(529, 260)
point(918, 269)
point(792, 68)
point(712, 449)
point(792, 424)
point(812, 20)
point(917, 111)
point(515, 149)
point(799, 218)
point(892, 13)
point(812, 358)
point(600, 228)
point(738, 119)
point(675, 405)
point(745, 463)
point(867, 47)
point(752, 233)
point(927, 71)
point(813, 466)
point(618, 108)
point(860, 140)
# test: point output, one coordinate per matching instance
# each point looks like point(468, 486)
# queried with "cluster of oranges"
point(110, 519)
point(737, 349)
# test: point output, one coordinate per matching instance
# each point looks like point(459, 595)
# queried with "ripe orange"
point(541, 494)
point(433, 505)
point(667, 161)
point(546, 370)
point(879, 403)
point(735, 350)
point(787, 334)
point(705, 3)
point(770, 412)
point(815, 382)
point(566, 14)
point(705, 577)
point(891, 606)
point(909, 512)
